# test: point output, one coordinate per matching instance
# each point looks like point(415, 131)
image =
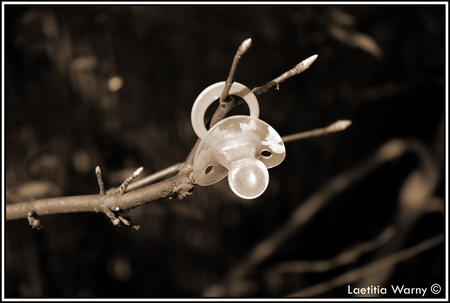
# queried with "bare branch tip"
point(98, 172)
point(339, 126)
point(138, 171)
point(245, 46)
point(309, 61)
point(122, 189)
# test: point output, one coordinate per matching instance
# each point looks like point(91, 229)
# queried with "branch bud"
point(338, 126)
point(245, 46)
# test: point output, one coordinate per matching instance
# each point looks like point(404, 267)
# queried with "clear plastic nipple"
point(247, 176)
point(248, 179)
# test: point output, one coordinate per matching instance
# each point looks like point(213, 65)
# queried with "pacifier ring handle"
point(211, 94)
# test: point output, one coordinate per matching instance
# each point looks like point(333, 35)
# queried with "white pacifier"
point(243, 147)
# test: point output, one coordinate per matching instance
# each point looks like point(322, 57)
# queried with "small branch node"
point(98, 172)
point(36, 224)
point(118, 220)
point(122, 189)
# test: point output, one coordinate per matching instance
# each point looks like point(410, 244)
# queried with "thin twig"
point(370, 269)
point(154, 177)
point(241, 50)
point(275, 276)
point(122, 189)
point(225, 108)
point(299, 68)
point(332, 128)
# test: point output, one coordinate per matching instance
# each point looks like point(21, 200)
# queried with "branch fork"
point(111, 199)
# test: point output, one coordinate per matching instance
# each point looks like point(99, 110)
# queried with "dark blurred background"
point(114, 85)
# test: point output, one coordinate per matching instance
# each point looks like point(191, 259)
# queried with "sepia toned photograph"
point(225, 151)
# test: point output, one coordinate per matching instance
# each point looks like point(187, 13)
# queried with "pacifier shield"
point(233, 133)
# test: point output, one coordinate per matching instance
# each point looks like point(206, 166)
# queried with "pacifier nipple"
point(248, 178)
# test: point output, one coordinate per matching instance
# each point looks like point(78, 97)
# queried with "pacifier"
point(242, 147)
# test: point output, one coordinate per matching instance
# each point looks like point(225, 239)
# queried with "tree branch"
point(370, 269)
point(225, 107)
point(241, 51)
point(332, 128)
point(299, 68)
point(113, 202)
point(344, 258)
